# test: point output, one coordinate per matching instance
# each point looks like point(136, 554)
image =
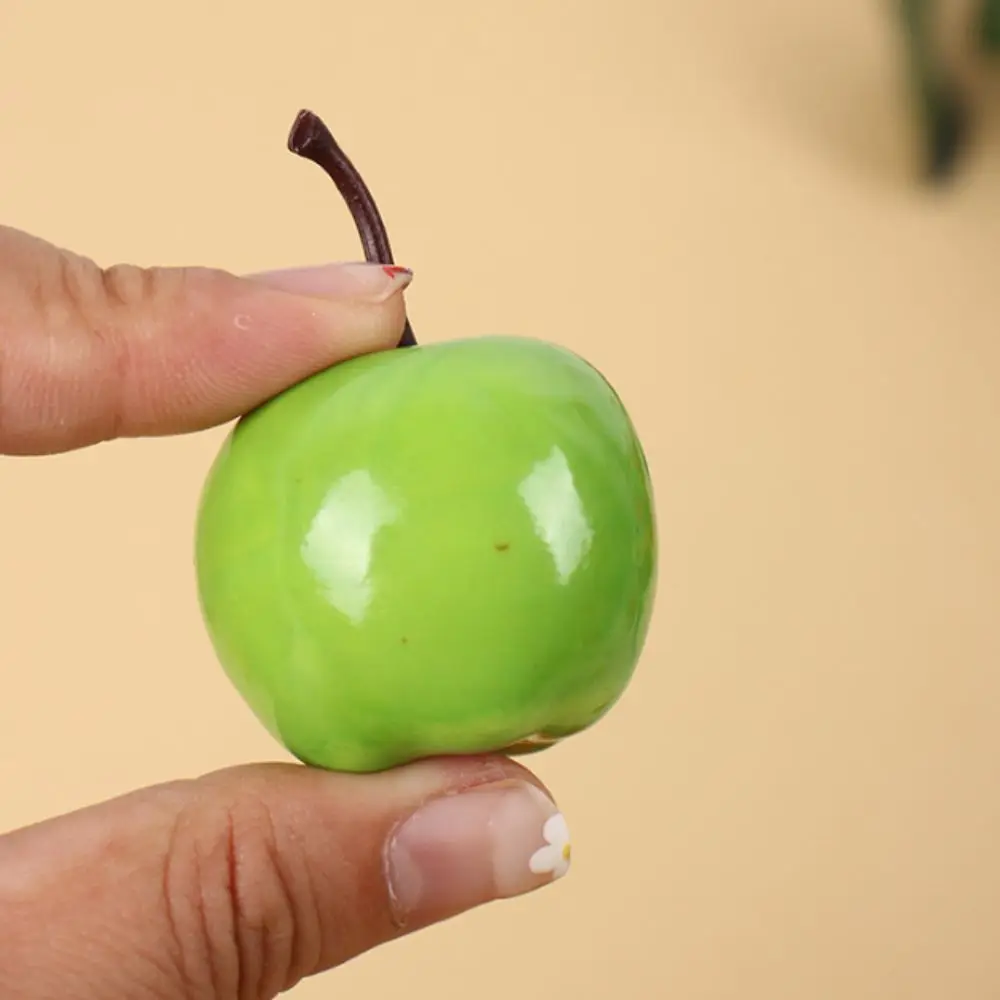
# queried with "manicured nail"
point(462, 850)
point(361, 282)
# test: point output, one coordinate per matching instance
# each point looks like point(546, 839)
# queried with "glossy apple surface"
point(435, 550)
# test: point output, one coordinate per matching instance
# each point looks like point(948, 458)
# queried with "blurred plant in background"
point(941, 103)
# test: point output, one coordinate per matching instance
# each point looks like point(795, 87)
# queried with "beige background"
point(797, 798)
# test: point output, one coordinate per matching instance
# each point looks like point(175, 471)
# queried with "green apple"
point(442, 549)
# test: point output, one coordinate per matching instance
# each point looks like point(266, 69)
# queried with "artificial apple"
point(438, 549)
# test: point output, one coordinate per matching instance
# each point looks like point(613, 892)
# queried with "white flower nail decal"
point(554, 857)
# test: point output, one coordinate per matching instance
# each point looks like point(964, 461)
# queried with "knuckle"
point(125, 285)
point(77, 342)
point(99, 298)
point(238, 903)
point(74, 291)
point(97, 318)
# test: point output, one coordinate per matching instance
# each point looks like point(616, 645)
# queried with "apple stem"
point(312, 140)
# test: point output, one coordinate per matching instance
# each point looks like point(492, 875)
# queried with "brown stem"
point(312, 140)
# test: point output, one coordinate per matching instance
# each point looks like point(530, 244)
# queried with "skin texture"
point(443, 550)
point(240, 883)
point(125, 351)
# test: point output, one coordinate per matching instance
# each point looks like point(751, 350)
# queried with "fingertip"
point(308, 868)
point(453, 833)
point(431, 839)
point(330, 313)
point(458, 851)
point(362, 302)
point(347, 282)
point(247, 340)
point(94, 353)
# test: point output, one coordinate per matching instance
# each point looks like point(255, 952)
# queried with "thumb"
point(244, 882)
point(90, 353)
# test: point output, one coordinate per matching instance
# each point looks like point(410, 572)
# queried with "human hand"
point(241, 883)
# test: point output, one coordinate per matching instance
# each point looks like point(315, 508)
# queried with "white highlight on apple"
point(551, 496)
point(338, 545)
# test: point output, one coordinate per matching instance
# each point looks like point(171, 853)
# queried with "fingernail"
point(459, 851)
point(361, 282)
